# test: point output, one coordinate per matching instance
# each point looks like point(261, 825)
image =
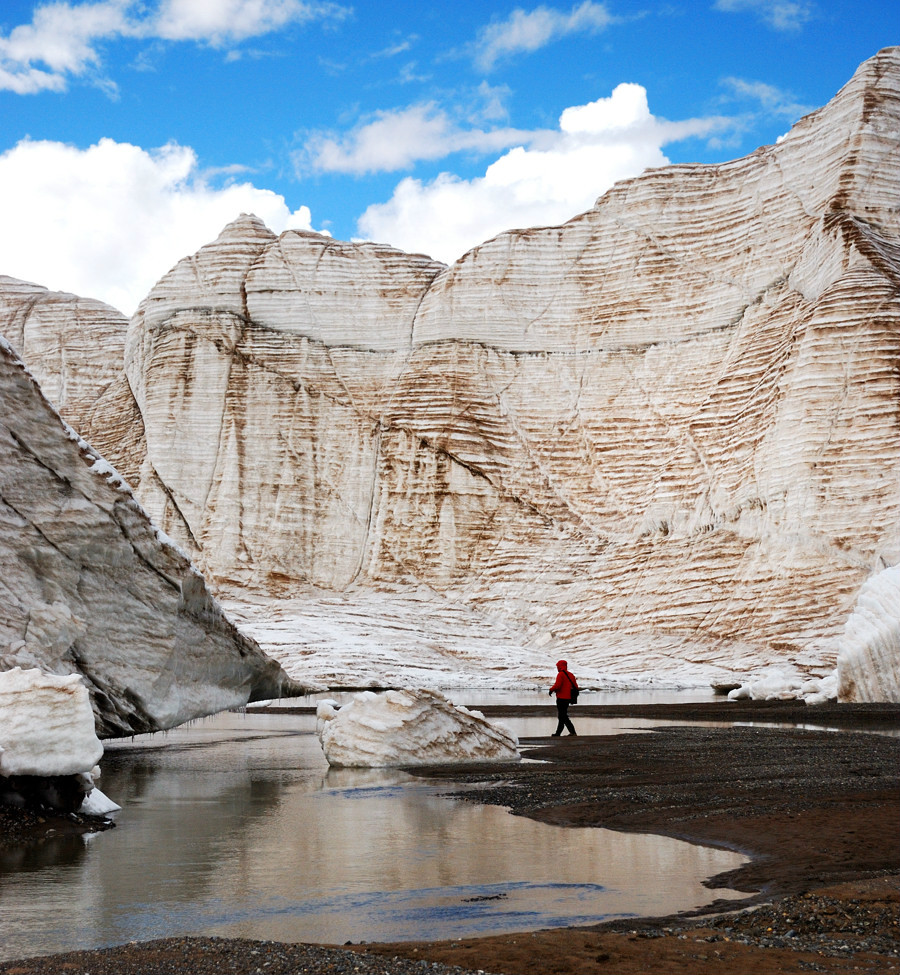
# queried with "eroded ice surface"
point(868, 664)
point(408, 728)
point(779, 685)
point(869, 659)
point(46, 725)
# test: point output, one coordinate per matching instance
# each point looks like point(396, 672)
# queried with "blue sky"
point(133, 130)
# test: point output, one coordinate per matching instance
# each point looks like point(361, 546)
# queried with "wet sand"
point(816, 812)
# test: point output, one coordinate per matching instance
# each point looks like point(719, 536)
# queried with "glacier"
point(659, 439)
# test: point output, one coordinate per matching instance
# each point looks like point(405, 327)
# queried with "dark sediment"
point(29, 826)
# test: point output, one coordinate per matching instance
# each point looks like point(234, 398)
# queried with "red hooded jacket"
point(563, 688)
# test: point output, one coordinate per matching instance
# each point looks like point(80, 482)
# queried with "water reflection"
point(53, 851)
point(236, 826)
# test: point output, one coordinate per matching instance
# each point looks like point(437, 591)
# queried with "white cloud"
point(64, 40)
point(25, 80)
point(784, 15)
point(108, 221)
point(527, 31)
point(401, 47)
point(597, 144)
point(493, 99)
point(221, 21)
point(408, 75)
point(395, 140)
point(773, 100)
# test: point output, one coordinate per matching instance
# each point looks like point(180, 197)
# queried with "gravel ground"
point(223, 956)
point(834, 922)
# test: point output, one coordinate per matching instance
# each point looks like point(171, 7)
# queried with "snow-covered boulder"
point(868, 663)
point(46, 725)
point(409, 727)
point(778, 685)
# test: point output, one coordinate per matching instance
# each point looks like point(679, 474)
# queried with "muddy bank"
point(850, 928)
point(21, 828)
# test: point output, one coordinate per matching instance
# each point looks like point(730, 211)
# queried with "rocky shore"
point(816, 812)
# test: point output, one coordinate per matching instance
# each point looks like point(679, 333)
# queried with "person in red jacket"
point(565, 684)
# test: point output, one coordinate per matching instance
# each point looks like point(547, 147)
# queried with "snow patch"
point(408, 727)
point(104, 469)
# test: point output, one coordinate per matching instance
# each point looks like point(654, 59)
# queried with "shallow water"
point(525, 697)
point(235, 826)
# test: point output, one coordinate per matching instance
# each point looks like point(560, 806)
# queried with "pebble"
point(224, 956)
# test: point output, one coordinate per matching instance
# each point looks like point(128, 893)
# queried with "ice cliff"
point(661, 437)
point(74, 348)
point(89, 587)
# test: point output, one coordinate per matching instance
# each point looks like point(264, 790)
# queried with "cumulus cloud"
point(528, 31)
point(596, 145)
point(64, 40)
point(108, 221)
point(782, 15)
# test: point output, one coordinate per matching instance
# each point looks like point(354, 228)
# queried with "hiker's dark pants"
point(562, 712)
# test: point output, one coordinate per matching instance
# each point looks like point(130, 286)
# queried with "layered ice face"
point(409, 727)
